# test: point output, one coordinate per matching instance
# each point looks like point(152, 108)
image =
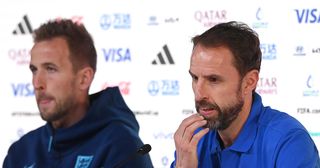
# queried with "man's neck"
point(229, 135)
point(75, 115)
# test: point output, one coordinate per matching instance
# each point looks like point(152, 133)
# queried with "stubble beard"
point(226, 115)
point(61, 108)
point(59, 111)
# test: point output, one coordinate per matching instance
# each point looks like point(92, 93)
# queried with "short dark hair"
point(80, 42)
point(242, 41)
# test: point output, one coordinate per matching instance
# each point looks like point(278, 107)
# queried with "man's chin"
point(45, 115)
point(212, 125)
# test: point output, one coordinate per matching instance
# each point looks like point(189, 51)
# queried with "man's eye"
point(33, 70)
point(213, 79)
point(51, 69)
point(194, 78)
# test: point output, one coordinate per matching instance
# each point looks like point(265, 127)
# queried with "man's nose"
point(200, 90)
point(38, 81)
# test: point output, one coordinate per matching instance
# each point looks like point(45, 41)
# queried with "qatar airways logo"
point(124, 86)
point(20, 56)
point(210, 18)
point(267, 85)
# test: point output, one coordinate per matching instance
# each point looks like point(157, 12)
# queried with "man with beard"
point(82, 130)
point(233, 128)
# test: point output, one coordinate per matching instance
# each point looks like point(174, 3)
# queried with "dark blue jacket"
point(106, 136)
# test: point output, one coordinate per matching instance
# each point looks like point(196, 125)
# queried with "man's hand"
point(186, 141)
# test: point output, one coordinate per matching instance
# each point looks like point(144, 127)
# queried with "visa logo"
point(308, 15)
point(22, 89)
point(117, 54)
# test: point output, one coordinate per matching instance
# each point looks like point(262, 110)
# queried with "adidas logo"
point(161, 59)
point(24, 27)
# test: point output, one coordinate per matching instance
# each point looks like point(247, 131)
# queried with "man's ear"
point(85, 77)
point(250, 81)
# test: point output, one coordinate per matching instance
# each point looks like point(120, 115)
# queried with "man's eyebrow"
point(48, 64)
point(212, 76)
point(43, 65)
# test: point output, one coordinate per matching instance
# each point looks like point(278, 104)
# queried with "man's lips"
point(44, 100)
point(206, 111)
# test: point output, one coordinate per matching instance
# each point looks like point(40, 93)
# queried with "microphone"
point(146, 148)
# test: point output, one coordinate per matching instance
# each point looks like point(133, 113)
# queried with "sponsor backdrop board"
point(144, 48)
